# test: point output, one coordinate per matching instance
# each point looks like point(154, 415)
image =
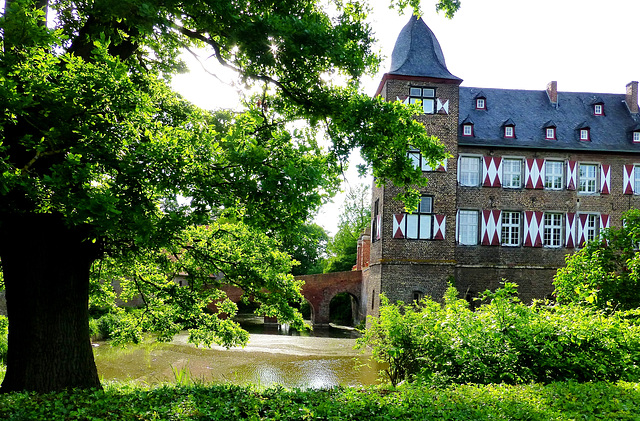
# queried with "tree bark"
point(46, 272)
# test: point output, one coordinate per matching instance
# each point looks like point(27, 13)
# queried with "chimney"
point(552, 92)
point(632, 97)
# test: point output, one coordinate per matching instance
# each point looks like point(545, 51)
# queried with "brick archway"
point(320, 289)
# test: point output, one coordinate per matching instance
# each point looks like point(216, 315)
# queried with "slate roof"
point(417, 53)
point(531, 112)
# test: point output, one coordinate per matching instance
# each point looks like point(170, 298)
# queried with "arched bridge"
point(319, 290)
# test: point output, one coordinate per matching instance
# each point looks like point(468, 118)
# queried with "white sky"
point(585, 45)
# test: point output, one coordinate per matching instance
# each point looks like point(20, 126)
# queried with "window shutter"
point(533, 225)
point(533, 174)
point(604, 221)
point(439, 227)
point(582, 223)
point(628, 179)
point(570, 229)
point(572, 175)
point(491, 171)
point(399, 225)
point(491, 221)
point(605, 178)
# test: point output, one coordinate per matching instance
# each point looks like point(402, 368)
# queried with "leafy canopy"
point(91, 132)
point(355, 217)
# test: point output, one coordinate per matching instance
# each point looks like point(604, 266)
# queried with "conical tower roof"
point(417, 53)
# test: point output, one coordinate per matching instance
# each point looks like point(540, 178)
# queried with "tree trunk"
point(46, 272)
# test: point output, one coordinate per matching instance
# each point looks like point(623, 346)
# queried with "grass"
point(118, 401)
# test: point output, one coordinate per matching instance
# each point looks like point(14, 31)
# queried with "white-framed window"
point(510, 228)
point(584, 134)
point(511, 173)
point(480, 104)
point(552, 232)
point(588, 178)
point(419, 161)
point(591, 227)
point(468, 227)
point(509, 131)
point(424, 96)
point(636, 137)
point(420, 222)
point(598, 109)
point(469, 171)
point(467, 130)
point(550, 133)
point(553, 175)
point(636, 179)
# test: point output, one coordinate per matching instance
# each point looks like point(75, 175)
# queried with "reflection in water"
point(291, 361)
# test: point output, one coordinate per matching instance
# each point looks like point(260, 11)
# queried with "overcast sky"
point(585, 45)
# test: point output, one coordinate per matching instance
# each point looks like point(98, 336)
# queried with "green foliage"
point(354, 218)
point(4, 325)
point(503, 341)
point(605, 273)
point(93, 138)
point(553, 402)
point(307, 246)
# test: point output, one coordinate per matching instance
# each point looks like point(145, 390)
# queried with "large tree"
point(100, 161)
point(354, 218)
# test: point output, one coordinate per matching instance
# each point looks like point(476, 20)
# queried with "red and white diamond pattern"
point(629, 176)
point(439, 227)
point(533, 226)
point(492, 171)
point(534, 174)
point(605, 178)
point(399, 225)
point(570, 229)
point(491, 227)
point(572, 175)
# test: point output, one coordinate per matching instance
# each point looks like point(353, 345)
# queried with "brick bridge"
point(320, 289)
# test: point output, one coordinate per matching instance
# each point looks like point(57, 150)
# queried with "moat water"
point(275, 355)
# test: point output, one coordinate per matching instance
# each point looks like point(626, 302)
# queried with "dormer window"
point(635, 133)
point(584, 134)
point(598, 106)
point(598, 109)
point(481, 101)
point(424, 96)
point(467, 127)
point(509, 129)
point(549, 130)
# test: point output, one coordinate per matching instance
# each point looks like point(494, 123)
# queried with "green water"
point(286, 359)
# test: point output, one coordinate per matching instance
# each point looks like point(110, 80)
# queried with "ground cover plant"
point(557, 401)
point(503, 341)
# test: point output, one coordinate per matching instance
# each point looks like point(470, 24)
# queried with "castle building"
point(532, 176)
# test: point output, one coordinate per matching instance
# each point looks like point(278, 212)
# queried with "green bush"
point(105, 327)
point(503, 341)
point(554, 402)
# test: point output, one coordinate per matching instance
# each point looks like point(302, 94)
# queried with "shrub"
point(503, 341)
